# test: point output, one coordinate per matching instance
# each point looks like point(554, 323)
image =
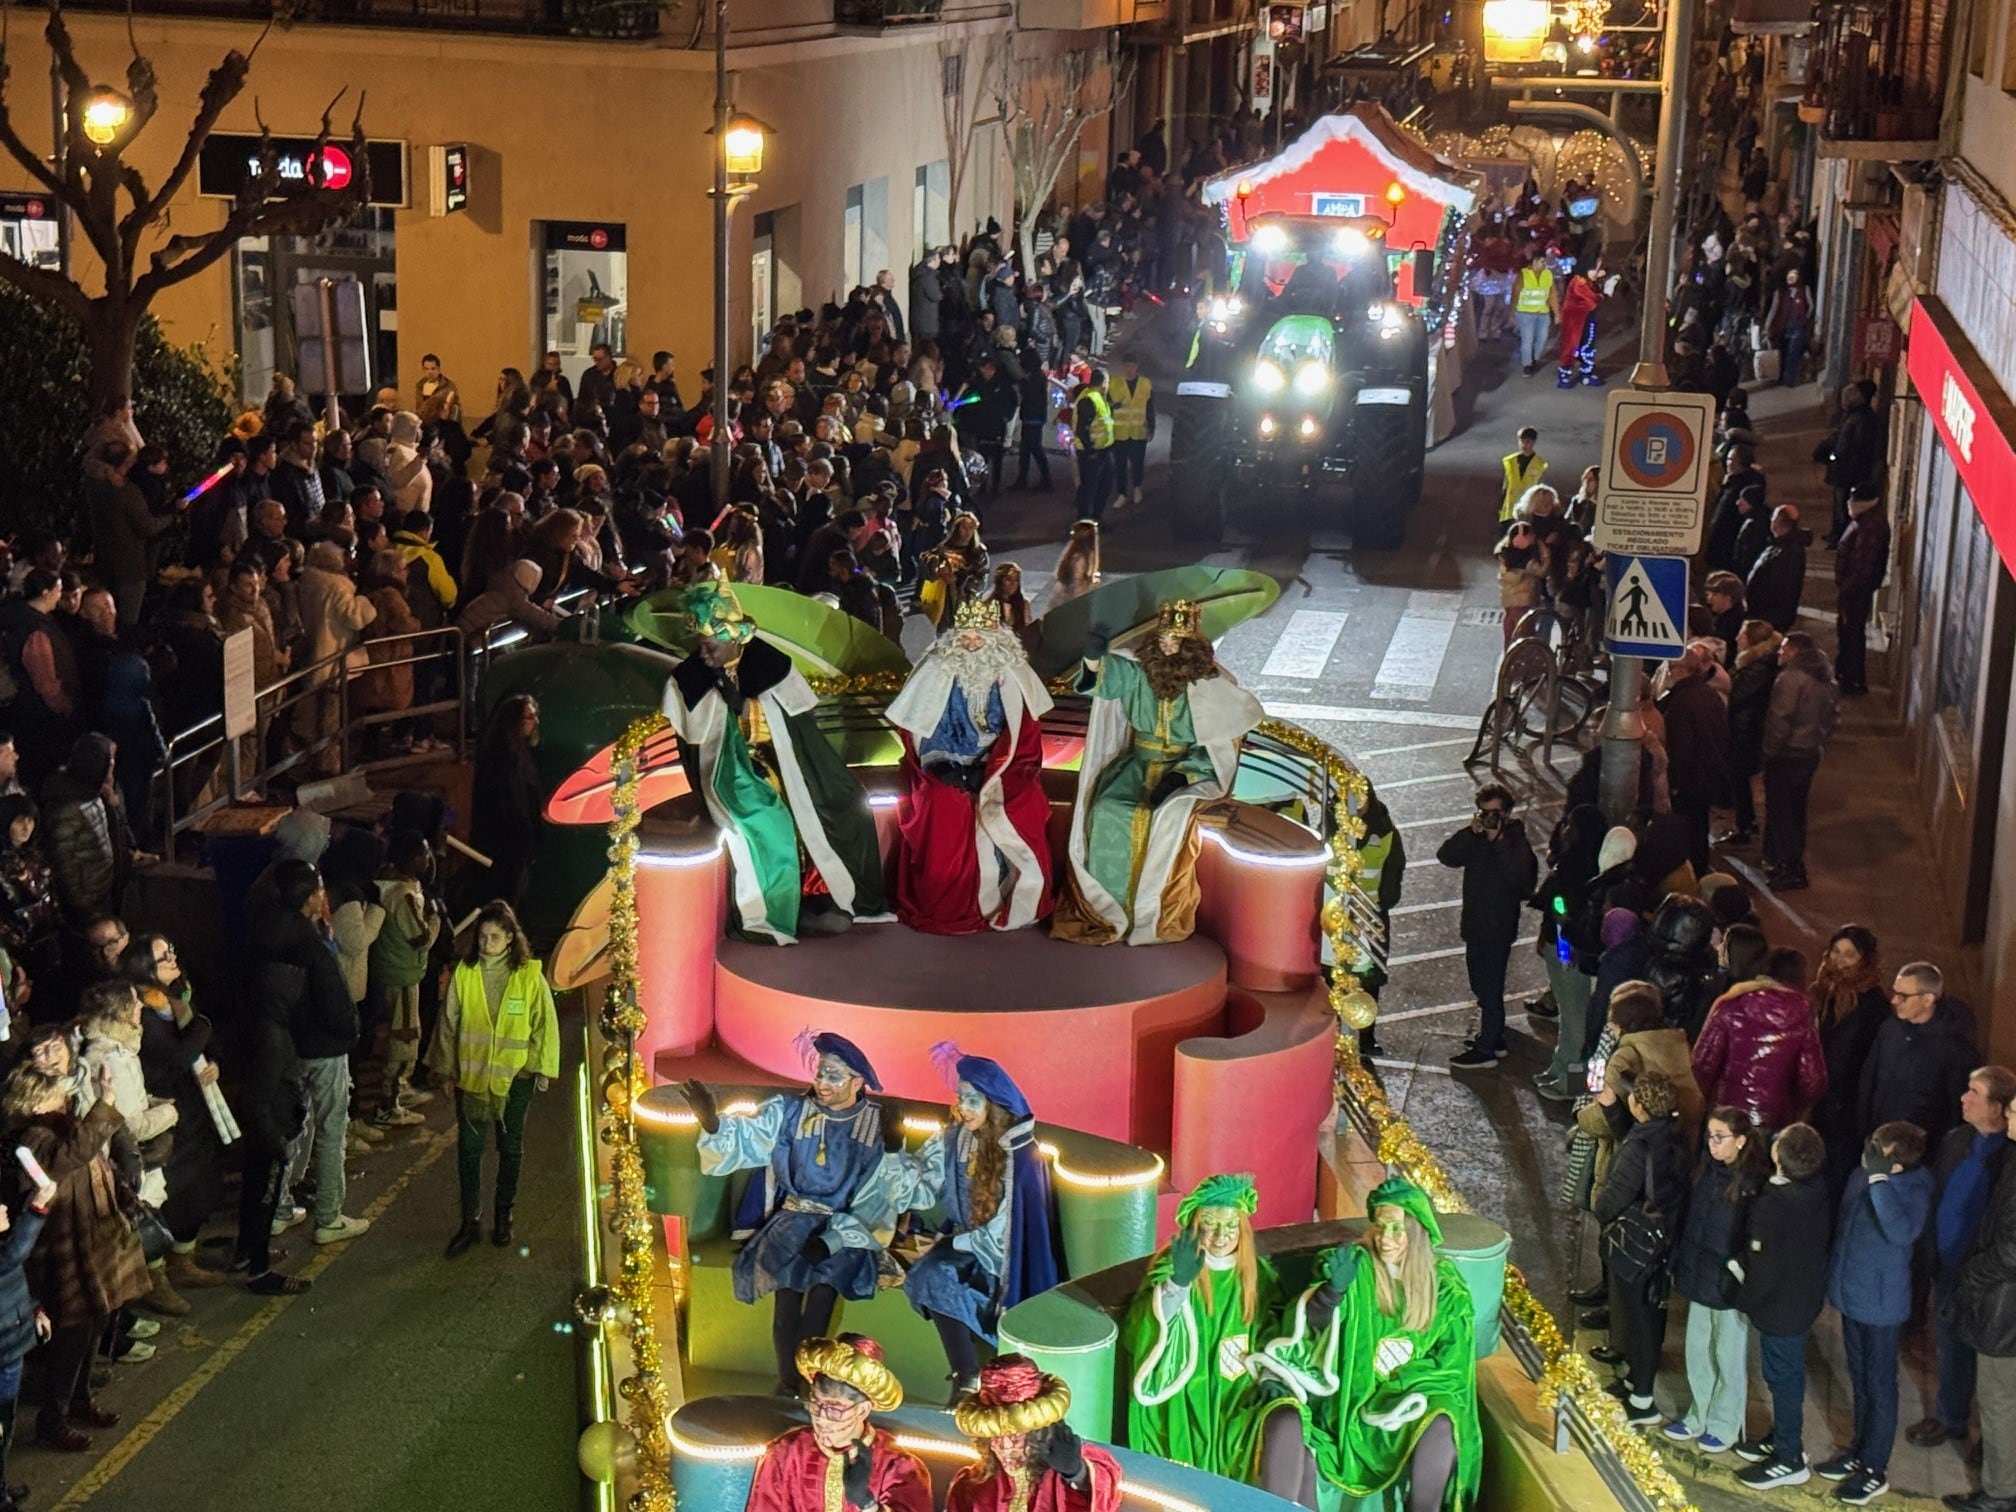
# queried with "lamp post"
point(105, 115)
point(738, 158)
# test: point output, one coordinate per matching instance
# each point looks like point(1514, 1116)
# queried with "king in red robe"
point(974, 850)
point(1030, 1459)
point(841, 1460)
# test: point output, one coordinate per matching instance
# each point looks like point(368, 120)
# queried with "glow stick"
point(207, 484)
point(32, 1166)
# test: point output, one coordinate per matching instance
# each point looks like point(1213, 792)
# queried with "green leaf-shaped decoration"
point(821, 640)
point(1126, 609)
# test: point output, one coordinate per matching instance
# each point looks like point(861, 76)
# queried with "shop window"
point(1970, 567)
point(865, 228)
point(28, 231)
point(264, 268)
point(930, 208)
point(585, 290)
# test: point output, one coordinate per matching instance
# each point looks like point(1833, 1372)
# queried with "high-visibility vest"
point(1102, 420)
point(1518, 480)
point(1130, 408)
point(491, 1050)
point(1536, 289)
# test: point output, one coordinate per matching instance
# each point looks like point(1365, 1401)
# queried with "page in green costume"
point(843, 811)
point(764, 824)
point(1200, 1407)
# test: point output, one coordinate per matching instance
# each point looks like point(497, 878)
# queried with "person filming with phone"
point(1499, 874)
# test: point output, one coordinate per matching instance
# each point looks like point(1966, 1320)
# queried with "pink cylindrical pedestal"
point(682, 907)
point(1260, 879)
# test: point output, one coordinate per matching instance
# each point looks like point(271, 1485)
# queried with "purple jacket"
point(1759, 1052)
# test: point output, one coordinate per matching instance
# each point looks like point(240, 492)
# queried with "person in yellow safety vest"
point(1523, 468)
point(1133, 399)
point(1092, 433)
point(497, 1043)
point(1536, 302)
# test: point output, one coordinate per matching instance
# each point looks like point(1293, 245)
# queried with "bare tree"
point(1044, 105)
point(88, 179)
point(956, 105)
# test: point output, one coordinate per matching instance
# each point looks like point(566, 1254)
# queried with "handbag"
point(1637, 1242)
point(1767, 365)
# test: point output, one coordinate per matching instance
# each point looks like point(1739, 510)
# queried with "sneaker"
point(1756, 1451)
point(1863, 1487)
point(1709, 1444)
point(1470, 1043)
point(1640, 1417)
point(1775, 1472)
point(343, 1228)
point(1679, 1432)
point(356, 1144)
point(131, 1352)
point(287, 1217)
point(142, 1328)
point(1555, 1092)
point(397, 1117)
point(414, 1097)
point(273, 1284)
point(1473, 1059)
point(1839, 1468)
point(359, 1129)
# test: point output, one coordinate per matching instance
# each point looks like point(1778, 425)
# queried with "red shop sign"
point(1972, 414)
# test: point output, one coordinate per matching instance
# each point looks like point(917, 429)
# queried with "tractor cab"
point(1319, 263)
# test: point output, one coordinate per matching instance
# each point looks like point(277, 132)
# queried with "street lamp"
point(742, 145)
point(105, 114)
point(1515, 30)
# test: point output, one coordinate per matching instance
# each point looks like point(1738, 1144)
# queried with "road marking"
point(1448, 952)
point(1303, 650)
point(1421, 908)
point(1416, 1013)
point(1336, 714)
point(1406, 782)
point(145, 1431)
point(1388, 1064)
point(1424, 745)
point(1413, 662)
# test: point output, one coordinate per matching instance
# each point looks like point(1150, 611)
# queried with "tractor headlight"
point(1268, 377)
point(1224, 307)
point(1270, 241)
point(1309, 427)
point(1351, 242)
point(1267, 427)
point(1311, 378)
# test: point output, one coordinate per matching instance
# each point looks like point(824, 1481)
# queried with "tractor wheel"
point(1197, 472)
point(1391, 447)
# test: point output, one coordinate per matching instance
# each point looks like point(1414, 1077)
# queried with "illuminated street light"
point(742, 145)
point(1514, 30)
point(105, 114)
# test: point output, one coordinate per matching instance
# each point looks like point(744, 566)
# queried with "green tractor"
point(1308, 375)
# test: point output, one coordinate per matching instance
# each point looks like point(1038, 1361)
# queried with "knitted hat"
point(303, 835)
point(1014, 1398)
point(1619, 925)
point(852, 1360)
point(1232, 1190)
point(406, 428)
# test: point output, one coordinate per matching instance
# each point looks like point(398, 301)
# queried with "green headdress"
point(715, 613)
point(1397, 1191)
point(1232, 1190)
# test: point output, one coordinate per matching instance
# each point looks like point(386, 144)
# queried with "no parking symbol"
point(1654, 486)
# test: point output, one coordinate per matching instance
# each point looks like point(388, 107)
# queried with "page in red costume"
point(970, 1493)
point(791, 1477)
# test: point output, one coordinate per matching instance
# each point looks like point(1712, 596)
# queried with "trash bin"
point(1072, 1338)
point(1477, 1248)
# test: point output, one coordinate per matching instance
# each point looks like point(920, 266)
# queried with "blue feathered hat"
point(811, 1046)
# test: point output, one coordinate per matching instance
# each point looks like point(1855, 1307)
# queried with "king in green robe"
point(1386, 1392)
point(1191, 1329)
point(795, 791)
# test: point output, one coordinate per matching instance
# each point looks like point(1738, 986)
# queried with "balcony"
point(1876, 79)
point(883, 15)
point(540, 18)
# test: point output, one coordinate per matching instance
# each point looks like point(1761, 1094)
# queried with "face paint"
point(1217, 1230)
point(1390, 1238)
point(833, 1084)
point(970, 1108)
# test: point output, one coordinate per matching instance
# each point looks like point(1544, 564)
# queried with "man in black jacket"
point(1778, 578)
point(1739, 471)
point(322, 1020)
point(1783, 1287)
point(1984, 1318)
point(1919, 1062)
point(1499, 874)
point(1697, 746)
point(1853, 452)
point(271, 1105)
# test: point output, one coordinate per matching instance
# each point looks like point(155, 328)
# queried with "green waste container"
point(1477, 1248)
point(1069, 1336)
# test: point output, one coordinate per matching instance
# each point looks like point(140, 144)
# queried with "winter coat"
point(388, 688)
point(333, 613)
point(1950, 1154)
point(1778, 579)
point(1647, 1171)
point(1752, 536)
point(1663, 1051)
point(1519, 584)
point(1697, 737)
point(270, 1099)
point(1984, 1297)
point(1805, 706)
point(1498, 878)
point(1856, 449)
point(505, 598)
point(1725, 519)
point(87, 1263)
point(1760, 1052)
point(1749, 701)
point(355, 925)
point(1784, 1278)
point(1680, 960)
point(17, 1304)
point(316, 1005)
point(121, 527)
point(1846, 1043)
point(1869, 1271)
point(925, 295)
point(90, 852)
point(1862, 560)
point(1714, 1233)
point(1916, 1072)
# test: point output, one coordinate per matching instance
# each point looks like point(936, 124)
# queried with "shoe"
point(1734, 837)
point(1473, 1059)
point(91, 1415)
point(1928, 1433)
point(129, 1352)
point(1555, 1092)
point(1839, 1468)
point(464, 1240)
point(61, 1437)
point(1603, 1354)
point(342, 1229)
point(1564, 380)
point(1978, 1501)
point(100, 1377)
point(1530, 369)
point(1679, 1432)
point(359, 1129)
point(414, 1097)
point(1619, 1388)
point(1589, 1296)
point(1862, 1487)
point(274, 1284)
point(500, 1230)
point(1756, 1451)
point(1641, 1417)
point(187, 1273)
point(163, 1299)
point(1594, 380)
point(1775, 1473)
point(1543, 1007)
point(1470, 1043)
point(286, 1218)
point(396, 1117)
point(1596, 1319)
point(142, 1328)
point(354, 1143)
point(1709, 1444)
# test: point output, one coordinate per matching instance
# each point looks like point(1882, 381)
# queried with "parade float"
point(963, 1082)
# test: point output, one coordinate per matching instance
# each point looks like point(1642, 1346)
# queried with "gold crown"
point(977, 614)
point(1184, 617)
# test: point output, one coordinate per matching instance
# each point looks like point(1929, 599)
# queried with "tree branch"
point(21, 152)
point(225, 84)
point(51, 288)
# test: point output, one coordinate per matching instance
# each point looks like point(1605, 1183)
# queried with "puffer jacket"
point(1680, 960)
point(1749, 700)
point(1715, 1231)
point(1869, 1270)
point(1805, 706)
point(333, 612)
point(1759, 1051)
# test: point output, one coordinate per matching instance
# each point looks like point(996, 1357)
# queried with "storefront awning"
point(1778, 18)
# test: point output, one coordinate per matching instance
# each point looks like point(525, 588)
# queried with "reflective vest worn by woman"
point(485, 1050)
point(1130, 408)
point(1536, 291)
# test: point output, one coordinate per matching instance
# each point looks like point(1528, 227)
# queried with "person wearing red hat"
point(1031, 1460)
point(841, 1460)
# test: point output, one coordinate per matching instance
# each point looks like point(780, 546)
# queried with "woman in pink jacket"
point(1759, 1049)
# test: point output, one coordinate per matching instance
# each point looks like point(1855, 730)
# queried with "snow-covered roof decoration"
point(1419, 171)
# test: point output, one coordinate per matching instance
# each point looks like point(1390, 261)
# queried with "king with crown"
point(1162, 741)
point(973, 854)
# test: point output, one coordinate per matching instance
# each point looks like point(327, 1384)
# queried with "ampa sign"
point(1972, 415)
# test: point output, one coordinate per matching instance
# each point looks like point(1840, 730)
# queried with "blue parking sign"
point(1648, 606)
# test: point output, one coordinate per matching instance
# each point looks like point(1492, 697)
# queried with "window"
point(930, 208)
point(954, 76)
point(865, 232)
point(1969, 569)
point(585, 290)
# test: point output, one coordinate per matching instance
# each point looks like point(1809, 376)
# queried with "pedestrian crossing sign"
point(1648, 606)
